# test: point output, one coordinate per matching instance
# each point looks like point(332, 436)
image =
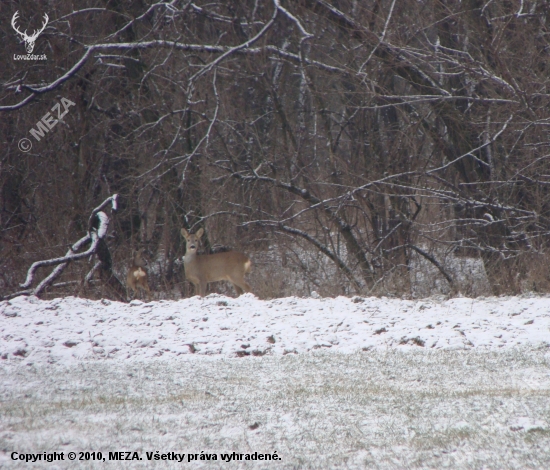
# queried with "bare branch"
point(432, 260)
point(95, 234)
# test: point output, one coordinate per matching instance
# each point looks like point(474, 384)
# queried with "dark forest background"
point(349, 147)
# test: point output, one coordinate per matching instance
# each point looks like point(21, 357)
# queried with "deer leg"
point(241, 286)
point(146, 287)
point(245, 286)
point(238, 290)
point(202, 289)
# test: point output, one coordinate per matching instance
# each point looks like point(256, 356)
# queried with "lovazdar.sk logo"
point(29, 40)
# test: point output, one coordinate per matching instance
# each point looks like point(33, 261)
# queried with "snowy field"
point(324, 383)
point(70, 330)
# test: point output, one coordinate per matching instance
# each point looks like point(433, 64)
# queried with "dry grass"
point(381, 410)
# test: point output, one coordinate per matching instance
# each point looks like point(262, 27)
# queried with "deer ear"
point(184, 233)
point(200, 232)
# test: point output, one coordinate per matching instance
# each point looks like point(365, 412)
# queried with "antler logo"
point(29, 40)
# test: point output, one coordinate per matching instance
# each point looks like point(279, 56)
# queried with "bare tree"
point(368, 134)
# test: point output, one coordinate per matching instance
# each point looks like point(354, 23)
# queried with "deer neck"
point(189, 257)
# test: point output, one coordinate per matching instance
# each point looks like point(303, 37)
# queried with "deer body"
point(137, 275)
point(201, 269)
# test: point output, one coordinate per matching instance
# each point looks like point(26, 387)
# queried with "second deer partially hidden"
point(137, 275)
point(201, 269)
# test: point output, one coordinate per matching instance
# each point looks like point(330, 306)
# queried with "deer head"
point(29, 40)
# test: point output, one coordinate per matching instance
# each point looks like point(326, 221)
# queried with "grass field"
point(382, 410)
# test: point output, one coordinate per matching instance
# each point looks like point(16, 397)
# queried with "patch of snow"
point(69, 330)
point(527, 424)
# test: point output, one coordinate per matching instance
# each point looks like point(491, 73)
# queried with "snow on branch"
point(238, 48)
point(98, 225)
point(114, 206)
point(292, 18)
point(224, 51)
point(69, 256)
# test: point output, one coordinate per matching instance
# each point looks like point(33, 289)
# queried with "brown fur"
point(227, 266)
point(137, 275)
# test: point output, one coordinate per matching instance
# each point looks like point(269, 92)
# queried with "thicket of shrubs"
point(373, 147)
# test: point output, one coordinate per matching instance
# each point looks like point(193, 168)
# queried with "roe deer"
point(137, 275)
point(201, 269)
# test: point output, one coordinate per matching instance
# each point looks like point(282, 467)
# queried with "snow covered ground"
point(326, 383)
point(69, 330)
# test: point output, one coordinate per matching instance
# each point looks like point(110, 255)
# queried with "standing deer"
point(201, 269)
point(137, 275)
